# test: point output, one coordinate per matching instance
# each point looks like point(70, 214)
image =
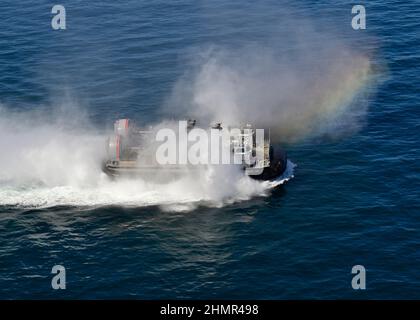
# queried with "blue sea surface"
point(354, 200)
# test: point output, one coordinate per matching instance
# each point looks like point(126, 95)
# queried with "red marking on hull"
point(118, 148)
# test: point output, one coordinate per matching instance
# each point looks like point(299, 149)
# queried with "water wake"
point(209, 188)
point(47, 164)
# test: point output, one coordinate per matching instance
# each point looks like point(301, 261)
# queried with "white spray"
point(48, 161)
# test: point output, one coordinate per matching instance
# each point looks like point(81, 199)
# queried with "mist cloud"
point(304, 85)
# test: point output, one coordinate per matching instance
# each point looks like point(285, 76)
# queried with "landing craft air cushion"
point(128, 153)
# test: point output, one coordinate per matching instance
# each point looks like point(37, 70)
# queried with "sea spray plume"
point(48, 149)
point(308, 90)
point(51, 161)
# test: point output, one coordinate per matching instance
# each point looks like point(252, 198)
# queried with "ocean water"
point(344, 103)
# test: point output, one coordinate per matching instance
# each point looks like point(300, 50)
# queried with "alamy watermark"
point(59, 280)
point(358, 282)
point(214, 146)
point(58, 21)
point(358, 22)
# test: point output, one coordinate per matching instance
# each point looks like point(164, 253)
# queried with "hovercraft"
point(131, 152)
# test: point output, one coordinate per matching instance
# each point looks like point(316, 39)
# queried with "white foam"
point(209, 188)
point(44, 163)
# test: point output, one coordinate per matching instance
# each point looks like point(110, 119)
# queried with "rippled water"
point(354, 195)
